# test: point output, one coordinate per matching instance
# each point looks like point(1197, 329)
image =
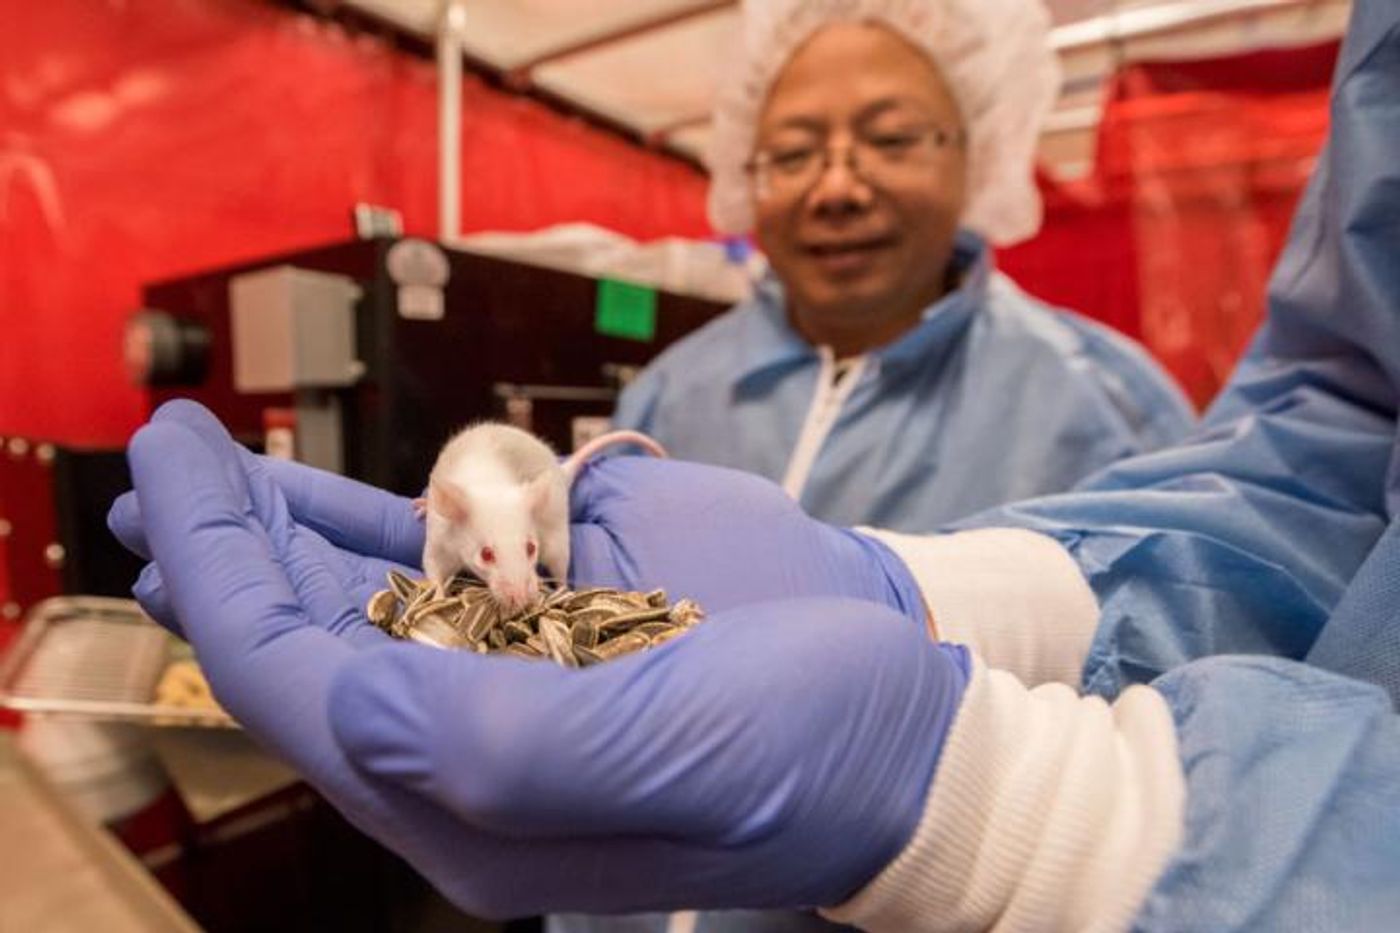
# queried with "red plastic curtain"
point(1198, 171)
point(149, 138)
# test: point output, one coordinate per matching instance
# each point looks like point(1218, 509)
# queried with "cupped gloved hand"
point(721, 537)
point(372, 531)
point(778, 755)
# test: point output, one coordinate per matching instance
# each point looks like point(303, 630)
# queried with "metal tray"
point(91, 657)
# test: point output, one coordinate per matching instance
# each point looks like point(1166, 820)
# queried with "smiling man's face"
point(865, 247)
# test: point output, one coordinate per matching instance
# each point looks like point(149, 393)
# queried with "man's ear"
point(448, 501)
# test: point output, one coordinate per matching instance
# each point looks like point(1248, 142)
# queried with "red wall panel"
point(147, 138)
point(1174, 237)
point(1213, 156)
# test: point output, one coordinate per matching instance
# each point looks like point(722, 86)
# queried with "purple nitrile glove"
point(779, 755)
point(361, 572)
point(722, 537)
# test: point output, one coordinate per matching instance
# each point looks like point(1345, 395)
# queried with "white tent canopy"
point(652, 66)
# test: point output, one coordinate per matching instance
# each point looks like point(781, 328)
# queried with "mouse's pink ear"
point(448, 501)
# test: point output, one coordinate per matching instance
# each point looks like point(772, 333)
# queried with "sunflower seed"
point(628, 621)
point(660, 638)
point(382, 608)
point(516, 631)
point(585, 634)
point(573, 628)
point(402, 587)
point(479, 620)
point(623, 644)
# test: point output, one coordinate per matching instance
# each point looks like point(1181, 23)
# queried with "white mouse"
point(498, 506)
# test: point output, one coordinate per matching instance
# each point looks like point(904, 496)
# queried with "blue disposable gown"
point(1245, 539)
point(993, 396)
point(1275, 534)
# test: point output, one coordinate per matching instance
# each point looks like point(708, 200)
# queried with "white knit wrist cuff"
point(1015, 597)
point(1048, 811)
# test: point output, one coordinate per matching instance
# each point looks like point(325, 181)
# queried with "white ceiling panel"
point(652, 66)
point(510, 33)
point(652, 81)
point(419, 17)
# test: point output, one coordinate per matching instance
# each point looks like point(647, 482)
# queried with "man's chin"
point(848, 300)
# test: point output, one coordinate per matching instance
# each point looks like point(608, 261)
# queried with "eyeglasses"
point(789, 172)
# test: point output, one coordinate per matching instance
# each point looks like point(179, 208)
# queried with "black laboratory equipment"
point(364, 356)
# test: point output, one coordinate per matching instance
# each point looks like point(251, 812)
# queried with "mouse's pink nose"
point(516, 597)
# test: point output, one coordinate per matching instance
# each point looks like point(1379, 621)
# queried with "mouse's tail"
point(602, 442)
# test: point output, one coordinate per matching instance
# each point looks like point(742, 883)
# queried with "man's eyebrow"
point(873, 110)
point(884, 105)
point(799, 122)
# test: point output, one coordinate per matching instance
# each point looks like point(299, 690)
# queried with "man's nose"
point(840, 186)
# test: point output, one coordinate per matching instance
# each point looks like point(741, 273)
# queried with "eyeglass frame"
point(759, 166)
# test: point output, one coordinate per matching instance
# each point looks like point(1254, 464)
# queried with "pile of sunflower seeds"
point(574, 628)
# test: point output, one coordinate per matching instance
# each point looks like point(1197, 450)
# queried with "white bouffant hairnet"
point(995, 56)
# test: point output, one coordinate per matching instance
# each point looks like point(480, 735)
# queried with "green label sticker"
point(626, 310)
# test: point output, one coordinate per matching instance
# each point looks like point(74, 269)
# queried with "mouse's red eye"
point(488, 556)
point(530, 549)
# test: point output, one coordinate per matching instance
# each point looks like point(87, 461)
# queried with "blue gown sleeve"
point(1293, 801)
point(1243, 539)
